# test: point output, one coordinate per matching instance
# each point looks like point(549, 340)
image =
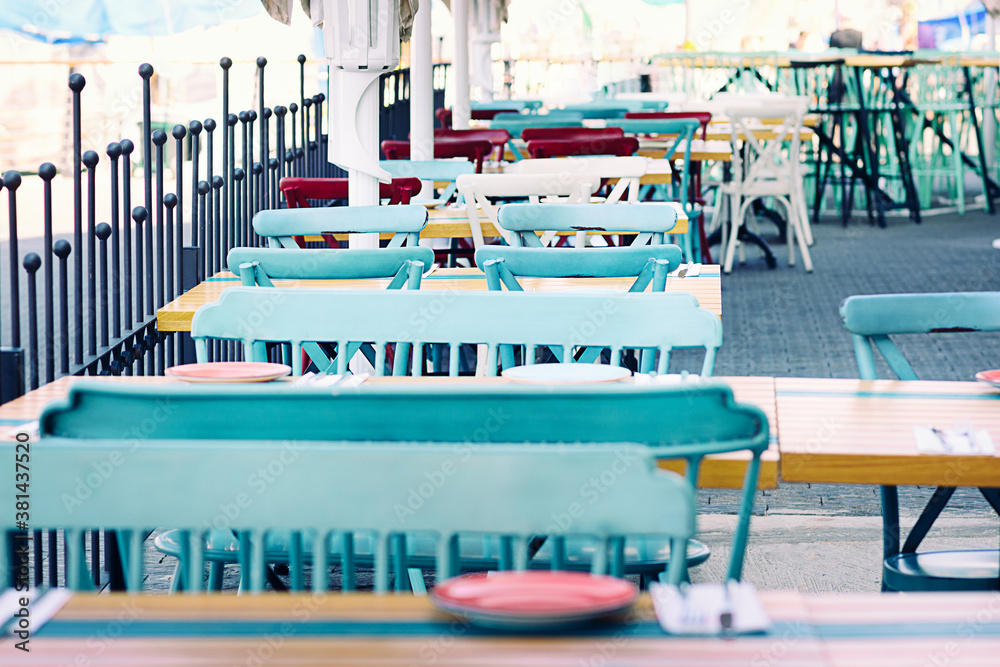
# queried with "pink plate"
point(538, 598)
point(989, 377)
point(229, 371)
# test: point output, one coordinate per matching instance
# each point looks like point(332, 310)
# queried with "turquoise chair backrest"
point(514, 125)
point(647, 264)
point(259, 266)
point(650, 222)
point(871, 320)
point(552, 114)
point(328, 489)
point(278, 226)
point(204, 430)
point(560, 321)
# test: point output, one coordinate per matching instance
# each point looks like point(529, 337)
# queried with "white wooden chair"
point(763, 167)
point(478, 188)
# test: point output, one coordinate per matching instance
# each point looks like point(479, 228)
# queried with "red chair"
point(298, 192)
point(619, 146)
point(444, 115)
point(498, 138)
point(474, 151)
point(571, 133)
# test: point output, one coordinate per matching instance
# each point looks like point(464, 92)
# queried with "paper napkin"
point(704, 609)
point(971, 442)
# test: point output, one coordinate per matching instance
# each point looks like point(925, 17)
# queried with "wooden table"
point(807, 631)
point(176, 315)
point(861, 432)
point(717, 471)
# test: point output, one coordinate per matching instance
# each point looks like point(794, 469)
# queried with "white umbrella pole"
point(461, 112)
point(362, 187)
point(421, 87)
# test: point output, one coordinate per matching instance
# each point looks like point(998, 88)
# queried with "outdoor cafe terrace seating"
point(520, 381)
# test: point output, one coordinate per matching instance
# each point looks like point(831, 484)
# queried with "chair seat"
point(647, 556)
point(972, 570)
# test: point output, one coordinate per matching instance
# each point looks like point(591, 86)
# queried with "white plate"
point(567, 373)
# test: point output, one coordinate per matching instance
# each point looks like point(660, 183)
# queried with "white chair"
point(762, 167)
point(478, 188)
point(628, 171)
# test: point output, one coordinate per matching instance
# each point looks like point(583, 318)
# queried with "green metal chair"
point(871, 320)
point(563, 322)
point(280, 226)
point(502, 442)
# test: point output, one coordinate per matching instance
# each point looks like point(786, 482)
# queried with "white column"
point(460, 66)
point(362, 187)
point(421, 87)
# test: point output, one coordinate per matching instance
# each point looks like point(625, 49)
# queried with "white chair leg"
point(736, 220)
point(795, 230)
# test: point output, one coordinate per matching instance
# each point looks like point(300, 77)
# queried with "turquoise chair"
point(564, 322)
point(431, 170)
point(871, 320)
point(606, 109)
point(514, 124)
point(205, 432)
point(684, 131)
point(258, 266)
point(648, 264)
point(650, 222)
point(280, 226)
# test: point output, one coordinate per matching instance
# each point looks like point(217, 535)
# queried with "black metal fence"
point(91, 303)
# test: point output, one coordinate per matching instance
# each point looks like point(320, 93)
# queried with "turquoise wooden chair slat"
point(330, 264)
point(345, 496)
point(431, 170)
point(872, 321)
point(279, 226)
point(192, 422)
point(650, 222)
point(653, 323)
point(648, 264)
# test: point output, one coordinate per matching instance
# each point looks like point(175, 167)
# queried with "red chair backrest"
point(703, 117)
point(498, 138)
point(444, 115)
point(474, 151)
point(619, 146)
point(572, 133)
point(298, 191)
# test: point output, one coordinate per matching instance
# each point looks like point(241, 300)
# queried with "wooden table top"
point(361, 628)
point(861, 432)
point(176, 315)
point(719, 471)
